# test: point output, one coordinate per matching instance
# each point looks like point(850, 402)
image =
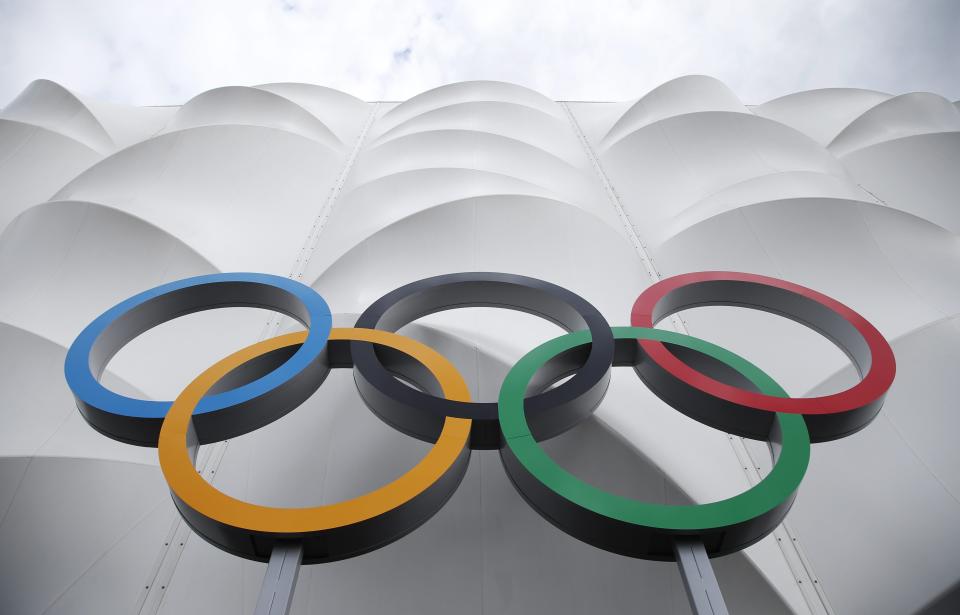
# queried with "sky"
point(165, 52)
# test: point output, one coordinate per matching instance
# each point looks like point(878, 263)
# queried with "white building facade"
point(850, 192)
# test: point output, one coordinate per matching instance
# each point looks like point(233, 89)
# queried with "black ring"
point(421, 414)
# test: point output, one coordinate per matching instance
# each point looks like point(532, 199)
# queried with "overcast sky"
point(165, 52)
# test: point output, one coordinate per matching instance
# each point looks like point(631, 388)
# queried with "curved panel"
point(255, 107)
point(50, 105)
point(925, 256)
point(908, 462)
point(688, 94)
point(820, 114)
point(101, 126)
point(361, 212)
point(127, 124)
point(34, 163)
point(101, 256)
point(37, 410)
point(666, 167)
point(465, 149)
point(343, 113)
point(533, 126)
point(915, 174)
point(772, 187)
point(526, 236)
point(901, 116)
point(217, 188)
point(827, 244)
point(468, 91)
point(57, 523)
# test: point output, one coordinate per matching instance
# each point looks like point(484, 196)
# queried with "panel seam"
point(164, 570)
point(737, 444)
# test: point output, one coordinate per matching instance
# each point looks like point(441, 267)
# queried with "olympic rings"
point(630, 527)
point(256, 385)
point(219, 416)
point(420, 414)
point(748, 413)
point(330, 532)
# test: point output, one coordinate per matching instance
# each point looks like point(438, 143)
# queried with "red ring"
point(873, 386)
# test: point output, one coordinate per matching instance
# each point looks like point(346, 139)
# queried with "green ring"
point(775, 489)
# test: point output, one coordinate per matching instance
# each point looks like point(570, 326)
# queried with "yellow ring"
point(187, 484)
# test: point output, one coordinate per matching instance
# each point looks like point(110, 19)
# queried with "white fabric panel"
point(251, 106)
point(467, 91)
point(68, 552)
point(689, 94)
point(542, 130)
point(50, 105)
point(37, 409)
point(915, 174)
point(901, 116)
point(820, 114)
point(850, 192)
point(342, 113)
point(664, 169)
point(35, 163)
point(217, 188)
point(881, 509)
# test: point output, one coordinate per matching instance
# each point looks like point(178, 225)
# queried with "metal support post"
point(276, 593)
point(703, 591)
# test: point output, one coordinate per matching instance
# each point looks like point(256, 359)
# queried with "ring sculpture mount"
point(551, 389)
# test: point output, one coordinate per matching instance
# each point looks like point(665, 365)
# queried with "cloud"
point(166, 52)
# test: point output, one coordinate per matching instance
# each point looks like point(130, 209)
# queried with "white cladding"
point(851, 192)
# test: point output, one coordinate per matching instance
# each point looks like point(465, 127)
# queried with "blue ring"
point(88, 390)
